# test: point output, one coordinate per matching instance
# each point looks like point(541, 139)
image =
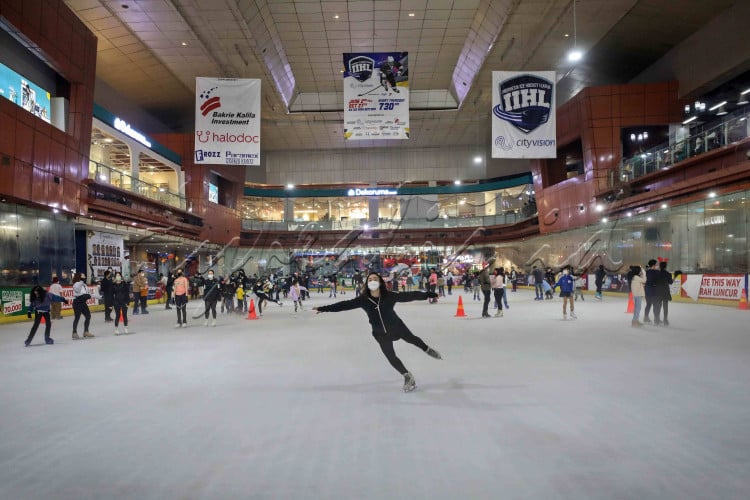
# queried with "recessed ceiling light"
point(457, 182)
point(411, 14)
point(663, 205)
point(335, 16)
point(649, 219)
point(575, 55)
point(566, 35)
point(712, 195)
point(604, 220)
point(184, 44)
point(477, 160)
point(629, 214)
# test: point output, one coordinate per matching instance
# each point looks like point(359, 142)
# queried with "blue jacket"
point(42, 306)
point(566, 283)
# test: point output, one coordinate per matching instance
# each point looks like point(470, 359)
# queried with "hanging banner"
point(713, 286)
point(376, 95)
point(103, 250)
point(523, 114)
point(227, 121)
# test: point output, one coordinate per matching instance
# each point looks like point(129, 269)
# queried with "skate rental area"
point(305, 406)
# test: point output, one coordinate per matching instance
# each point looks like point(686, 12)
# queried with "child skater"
point(387, 327)
point(295, 292)
point(41, 300)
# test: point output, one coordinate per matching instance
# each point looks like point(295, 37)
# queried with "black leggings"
point(210, 307)
point(180, 301)
point(499, 292)
point(37, 319)
point(79, 309)
point(386, 345)
point(121, 309)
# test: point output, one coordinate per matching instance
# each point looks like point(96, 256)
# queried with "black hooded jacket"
point(380, 310)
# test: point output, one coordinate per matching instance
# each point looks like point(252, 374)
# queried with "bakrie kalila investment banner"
point(227, 121)
point(523, 114)
point(376, 95)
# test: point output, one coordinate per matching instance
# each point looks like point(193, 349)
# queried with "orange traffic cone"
point(631, 304)
point(460, 311)
point(43, 321)
point(251, 311)
point(122, 320)
point(743, 301)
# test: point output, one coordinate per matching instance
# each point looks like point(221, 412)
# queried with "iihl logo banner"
point(523, 114)
point(227, 121)
point(376, 95)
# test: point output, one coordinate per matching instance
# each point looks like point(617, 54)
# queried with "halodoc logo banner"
point(376, 95)
point(523, 114)
point(227, 121)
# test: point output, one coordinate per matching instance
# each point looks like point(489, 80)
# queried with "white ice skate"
point(409, 383)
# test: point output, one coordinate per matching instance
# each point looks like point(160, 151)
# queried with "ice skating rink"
point(299, 406)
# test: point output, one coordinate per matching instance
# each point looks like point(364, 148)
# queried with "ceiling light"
point(722, 112)
point(477, 160)
point(184, 44)
point(604, 220)
point(335, 16)
point(629, 214)
point(649, 219)
point(687, 109)
point(692, 118)
point(663, 205)
point(411, 14)
point(457, 182)
point(745, 92)
point(55, 211)
point(717, 106)
point(712, 194)
point(600, 208)
point(575, 55)
point(566, 35)
point(290, 186)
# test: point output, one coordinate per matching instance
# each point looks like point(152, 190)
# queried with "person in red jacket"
point(387, 327)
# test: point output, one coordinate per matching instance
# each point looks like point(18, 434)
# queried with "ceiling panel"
point(295, 47)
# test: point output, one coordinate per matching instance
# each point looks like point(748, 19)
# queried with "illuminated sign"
point(371, 192)
point(213, 193)
point(712, 221)
point(124, 127)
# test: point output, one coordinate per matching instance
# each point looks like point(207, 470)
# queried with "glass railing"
point(662, 157)
point(108, 175)
point(509, 217)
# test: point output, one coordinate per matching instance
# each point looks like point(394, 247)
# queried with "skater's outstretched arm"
point(411, 296)
point(344, 305)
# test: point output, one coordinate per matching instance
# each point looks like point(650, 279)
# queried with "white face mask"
point(373, 285)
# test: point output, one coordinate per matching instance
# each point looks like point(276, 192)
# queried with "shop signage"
point(371, 192)
point(213, 193)
point(31, 97)
point(104, 250)
point(126, 129)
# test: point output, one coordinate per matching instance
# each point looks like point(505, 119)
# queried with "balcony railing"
point(105, 174)
point(510, 217)
point(662, 157)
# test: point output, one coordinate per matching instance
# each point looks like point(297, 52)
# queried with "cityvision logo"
point(209, 103)
point(361, 67)
point(525, 102)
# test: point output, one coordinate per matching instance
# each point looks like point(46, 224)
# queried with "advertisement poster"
point(103, 250)
point(227, 121)
point(523, 114)
point(22, 92)
point(713, 286)
point(376, 95)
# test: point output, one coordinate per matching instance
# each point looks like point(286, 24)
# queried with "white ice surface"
point(299, 406)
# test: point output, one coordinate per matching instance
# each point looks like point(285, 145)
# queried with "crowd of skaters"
point(232, 294)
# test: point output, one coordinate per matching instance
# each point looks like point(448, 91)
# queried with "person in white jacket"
point(637, 283)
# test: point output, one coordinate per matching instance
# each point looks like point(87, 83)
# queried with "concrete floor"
point(299, 406)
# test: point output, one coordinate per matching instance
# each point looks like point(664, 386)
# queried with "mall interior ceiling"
point(150, 51)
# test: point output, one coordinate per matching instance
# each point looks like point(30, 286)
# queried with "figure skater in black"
point(387, 327)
